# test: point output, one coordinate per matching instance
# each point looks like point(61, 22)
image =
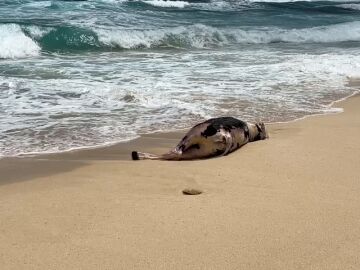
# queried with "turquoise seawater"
point(87, 73)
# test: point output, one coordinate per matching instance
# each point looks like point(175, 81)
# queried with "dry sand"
point(290, 202)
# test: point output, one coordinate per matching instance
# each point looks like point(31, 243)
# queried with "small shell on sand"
point(191, 191)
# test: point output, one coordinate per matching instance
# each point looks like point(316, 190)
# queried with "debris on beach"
point(191, 191)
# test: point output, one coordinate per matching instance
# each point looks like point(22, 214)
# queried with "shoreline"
point(290, 202)
point(178, 133)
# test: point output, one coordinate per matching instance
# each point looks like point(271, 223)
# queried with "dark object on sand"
point(191, 191)
point(214, 137)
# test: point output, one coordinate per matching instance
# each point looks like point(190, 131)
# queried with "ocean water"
point(79, 74)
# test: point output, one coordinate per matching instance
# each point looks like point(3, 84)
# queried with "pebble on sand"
point(191, 191)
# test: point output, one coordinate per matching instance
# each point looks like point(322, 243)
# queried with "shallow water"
point(87, 73)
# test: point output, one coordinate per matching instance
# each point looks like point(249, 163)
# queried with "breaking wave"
point(194, 36)
point(163, 3)
point(353, 6)
point(15, 44)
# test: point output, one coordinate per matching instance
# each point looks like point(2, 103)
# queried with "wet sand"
point(290, 202)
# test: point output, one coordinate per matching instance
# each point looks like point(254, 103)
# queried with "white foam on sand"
point(155, 91)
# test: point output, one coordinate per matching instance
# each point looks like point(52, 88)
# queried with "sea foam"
point(324, 34)
point(201, 36)
point(162, 3)
point(15, 44)
point(353, 6)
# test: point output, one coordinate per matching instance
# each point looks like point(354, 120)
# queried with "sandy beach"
point(290, 202)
